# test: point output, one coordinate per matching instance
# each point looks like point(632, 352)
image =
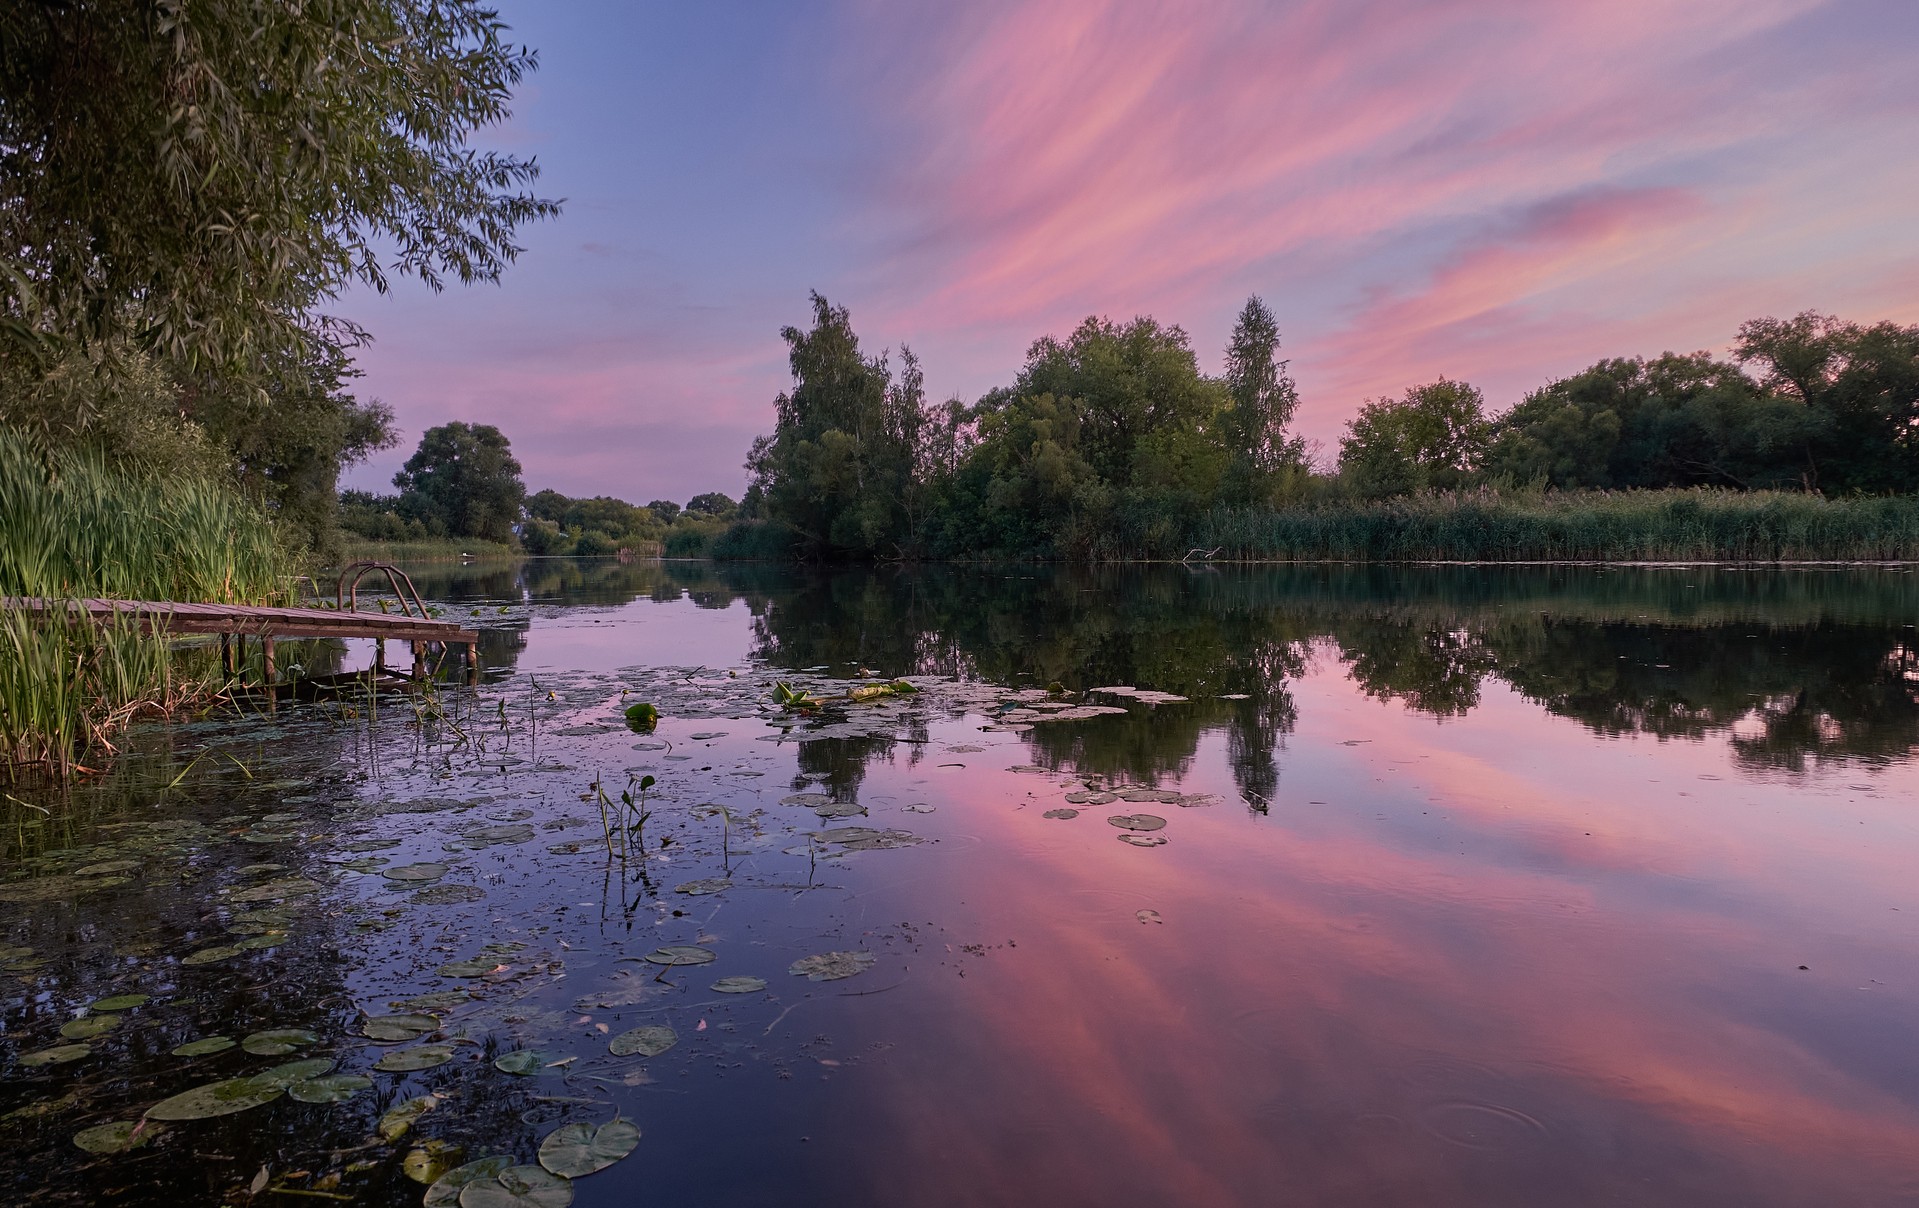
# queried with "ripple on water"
point(1473, 1124)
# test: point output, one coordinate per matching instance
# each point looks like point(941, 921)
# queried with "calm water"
point(1477, 887)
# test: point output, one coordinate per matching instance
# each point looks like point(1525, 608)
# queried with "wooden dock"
point(237, 622)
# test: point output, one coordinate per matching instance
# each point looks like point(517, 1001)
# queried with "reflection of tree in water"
point(1079, 628)
point(1783, 695)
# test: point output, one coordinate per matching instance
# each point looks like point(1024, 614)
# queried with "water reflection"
point(1552, 886)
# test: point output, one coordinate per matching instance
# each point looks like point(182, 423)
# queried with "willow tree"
point(187, 186)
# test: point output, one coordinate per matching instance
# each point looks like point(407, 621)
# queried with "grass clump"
point(1700, 525)
point(71, 527)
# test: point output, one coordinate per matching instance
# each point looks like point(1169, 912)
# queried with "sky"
point(1502, 191)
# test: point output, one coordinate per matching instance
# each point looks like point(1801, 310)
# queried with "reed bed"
point(1600, 526)
point(73, 526)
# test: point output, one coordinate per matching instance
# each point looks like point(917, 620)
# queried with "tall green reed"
point(74, 526)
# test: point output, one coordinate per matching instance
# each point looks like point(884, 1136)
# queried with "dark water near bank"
point(1477, 887)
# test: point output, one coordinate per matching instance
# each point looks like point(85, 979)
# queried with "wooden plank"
point(187, 618)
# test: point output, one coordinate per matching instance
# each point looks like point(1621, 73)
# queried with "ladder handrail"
point(346, 596)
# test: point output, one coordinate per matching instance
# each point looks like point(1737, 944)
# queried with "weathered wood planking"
point(166, 616)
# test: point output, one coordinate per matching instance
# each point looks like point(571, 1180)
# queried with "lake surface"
point(1318, 886)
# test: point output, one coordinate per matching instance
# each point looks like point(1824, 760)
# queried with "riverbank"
point(1483, 526)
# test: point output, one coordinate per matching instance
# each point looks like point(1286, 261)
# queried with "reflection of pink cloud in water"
point(1485, 1007)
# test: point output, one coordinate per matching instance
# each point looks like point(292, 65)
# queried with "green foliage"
point(1486, 525)
point(1432, 438)
point(712, 504)
point(188, 186)
point(1676, 421)
point(203, 176)
point(463, 481)
point(846, 464)
point(1263, 402)
point(1860, 388)
point(72, 525)
point(664, 510)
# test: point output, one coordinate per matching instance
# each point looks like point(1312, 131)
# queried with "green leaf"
point(574, 1151)
point(681, 954)
point(649, 1041)
point(121, 1002)
point(278, 1042)
point(738, 985)
point(297, 1071)
point(117, 1137)
point(87, 1027)
point(524, 1062)
point(204, 1046)
point(395, 1122)
point(832, 966)
point(519, 1187)
point(217, 1099)
point(424, 1057)
point(430, 1160)
point(332, 1088)
point(59, 1054)
point(446, 1191)
point(394, 1029)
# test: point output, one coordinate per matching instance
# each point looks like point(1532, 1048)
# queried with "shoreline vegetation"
point(1486, 526)
point(73, 526)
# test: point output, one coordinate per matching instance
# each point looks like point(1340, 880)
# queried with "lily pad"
point(89, 1026)
point(117, 1137)
point(1091, 797)
point(330, 1088)
point(840, 809)
point(431, 1159)
point(1137, 822)
point(298, 1071)
point(446, 1191)
point(518, 1187)
point(208, 956)
point(407, 874)
point(278, 1042)
point(832, 966)
point(738, 985)
point(574, 1151)
point(406, 1061)
point(1144, 840)
point(446, 895)
point(524, 1062)
point(397, 1120)
point(120, 1002)
point(204, 1046)
point(649, 1041)
point(217, 1099)
point(702, 887)
point(396, 1029)
point(681, 954)
point(1062, 814)
point(59, 1054)
point(439, 1000)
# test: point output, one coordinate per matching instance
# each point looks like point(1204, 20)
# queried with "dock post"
point(266, 649)
point(226, 655)
point(379, 657)
point(473, 662)
point(419, 661)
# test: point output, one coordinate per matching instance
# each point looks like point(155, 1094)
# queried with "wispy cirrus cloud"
point(1494, 190)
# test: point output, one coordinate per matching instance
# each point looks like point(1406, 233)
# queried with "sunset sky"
point(1499, 190)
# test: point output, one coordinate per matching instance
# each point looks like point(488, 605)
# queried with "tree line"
point(463, 482)
point(1112, 440)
